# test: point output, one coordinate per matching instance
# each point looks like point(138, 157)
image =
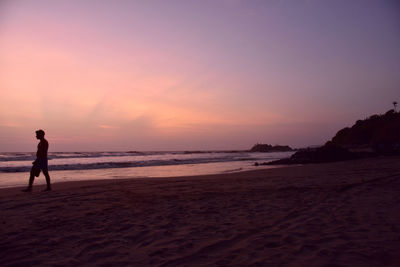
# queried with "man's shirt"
point(43, 146)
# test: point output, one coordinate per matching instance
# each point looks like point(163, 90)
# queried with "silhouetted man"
point(40, 164)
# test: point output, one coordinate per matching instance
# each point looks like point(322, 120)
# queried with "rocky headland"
point(376, 135)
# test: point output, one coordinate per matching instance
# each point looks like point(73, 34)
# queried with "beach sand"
point(313, 215)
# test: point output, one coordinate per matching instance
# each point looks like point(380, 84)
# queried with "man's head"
point(39, 134)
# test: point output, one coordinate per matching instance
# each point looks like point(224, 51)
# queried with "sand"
point(314, 215)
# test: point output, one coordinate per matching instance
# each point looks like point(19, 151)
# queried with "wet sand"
point(338, 214)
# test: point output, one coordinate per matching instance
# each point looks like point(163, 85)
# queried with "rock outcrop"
point(270, 148)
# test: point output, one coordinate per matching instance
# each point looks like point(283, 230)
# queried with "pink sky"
point(182, 75)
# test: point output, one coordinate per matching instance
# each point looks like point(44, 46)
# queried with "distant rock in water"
point(270, 148)
point(376, 135)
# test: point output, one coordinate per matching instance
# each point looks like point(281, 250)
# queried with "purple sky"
point(181, 75)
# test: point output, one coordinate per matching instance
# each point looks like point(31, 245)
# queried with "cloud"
point(10, 124)
point(105, 126)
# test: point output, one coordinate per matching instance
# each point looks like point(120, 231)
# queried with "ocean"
point(75, 166)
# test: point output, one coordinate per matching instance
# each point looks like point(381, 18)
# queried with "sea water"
point(75, 166)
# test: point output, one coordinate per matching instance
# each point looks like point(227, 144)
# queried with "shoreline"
point(12, 180)
point(261, 169)
point(343, 213)
point(110, 181)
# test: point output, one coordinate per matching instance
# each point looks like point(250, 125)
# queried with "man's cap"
point(40, 132)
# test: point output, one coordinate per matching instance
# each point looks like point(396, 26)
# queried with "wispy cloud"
point(104, 126)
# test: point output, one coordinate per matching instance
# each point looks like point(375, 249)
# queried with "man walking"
point(40, 164)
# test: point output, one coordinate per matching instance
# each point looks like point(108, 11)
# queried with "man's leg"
point(46, 174)
point(31, 179)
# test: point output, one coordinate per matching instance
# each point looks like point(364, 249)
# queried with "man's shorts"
point(38, 165)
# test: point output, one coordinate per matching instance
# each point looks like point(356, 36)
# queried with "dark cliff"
point(380, 133)
point(376, 135)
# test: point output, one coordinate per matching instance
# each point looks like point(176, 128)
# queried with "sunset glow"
point(181, 75)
